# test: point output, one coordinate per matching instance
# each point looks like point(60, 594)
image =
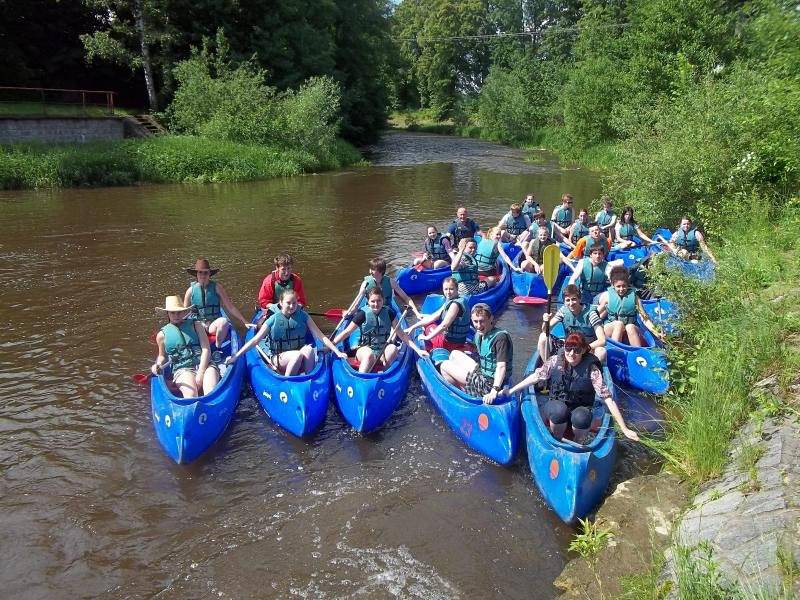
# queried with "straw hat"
point(201, 264)
point(174, 304)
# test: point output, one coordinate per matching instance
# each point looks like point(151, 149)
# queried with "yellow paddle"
point(551, 257)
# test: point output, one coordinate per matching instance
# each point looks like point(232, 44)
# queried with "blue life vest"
point(578, 231)
point(515, 225)
point(182, 345)
point(458, 330)
point(604, 217)
point(287, 333)
point(467, 271)
point(565, 216)
point(529, 209)
point(375, 330)
point(687, 240)
point(573, 385)
point(486, 255)
point(488, 360)
point(534, 228)
point(627, 231)
point(435, 248)
point(593, 278)
point(463, 231)
point(587, 246)
point(385, 287)
point(578, 323)
point(621, 308)
point(206, 300)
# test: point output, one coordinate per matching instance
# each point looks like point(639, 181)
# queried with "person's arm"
point(576, 273)
point(425, 320)
point(555, 319)
point(507, 260)
point(700, 240)
point(162, 353)
point(457, 256)
point(266, 292)
point(540, 374)
point(600, 333)
point(351, 327)
point(315, 331)
point(648, 322)
point(449, 317)
point(187, 297)
point(205, 354)
point(405, 297)
point(260, 335)
point(421, 352)
point(643, 236)
point(617, 238)
point(571, 264)
point(230, 309)
point(600, 388)
point(602, 305)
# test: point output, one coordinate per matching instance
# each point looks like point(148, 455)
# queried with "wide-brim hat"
point(201, 264)
point(174, 304)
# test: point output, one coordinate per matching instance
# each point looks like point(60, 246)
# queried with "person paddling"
point(563, 216)
point(576, 317)
point(486, 254)
point(626, 228)
point(606, 218)
point(288, 353)
point(530, 206)
point(462, 227)
point(282, 278)
point(534, 252)
point(574, 377)
point(591, 274)
point(687, 242)
point(483, 379)
point(209, 298)
point(375, 323)
point(186, 344)
point(451, 332)
point(620, 306)
point(437, 250)
point(514, 223)
point(580, 228)
point(595, 237)
point(465, 269)
point(377, 278)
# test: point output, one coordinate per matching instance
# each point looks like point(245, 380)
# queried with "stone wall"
point(61, 130)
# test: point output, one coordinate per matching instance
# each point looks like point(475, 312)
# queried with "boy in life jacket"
point(576, 317)
point(209, 298)
point(575, 379)
point(591, 274)
point(454, 316)
point(514, 223)
point(606, 218)
point(282, 278)
point(687, 242)
point(564, 216)
point(377, 278)
point(620, 306)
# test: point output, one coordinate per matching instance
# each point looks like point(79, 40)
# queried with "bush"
point(505, 111)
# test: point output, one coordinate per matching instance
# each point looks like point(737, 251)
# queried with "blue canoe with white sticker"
point(297, 403)
point(367, 400)
point(571, 477)
point(187, 427)
point(703, 269)
point(495, 296)
point(413, 281)
point(493, 430)
point(532, 285)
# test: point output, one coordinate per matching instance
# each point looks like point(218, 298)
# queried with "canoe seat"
point(353, 362)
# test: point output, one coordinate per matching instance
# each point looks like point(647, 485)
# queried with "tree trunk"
point(147, 66)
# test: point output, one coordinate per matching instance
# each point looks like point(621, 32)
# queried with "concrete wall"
point(61, 130)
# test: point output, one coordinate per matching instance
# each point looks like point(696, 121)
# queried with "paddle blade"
point(141, 378)
point(529, 300)
point(152, 338)
point(551, 259)
point(334, 314)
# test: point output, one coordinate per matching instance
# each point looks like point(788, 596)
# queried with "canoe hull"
point(495, 297)
point(531, 284)
point(414, 282)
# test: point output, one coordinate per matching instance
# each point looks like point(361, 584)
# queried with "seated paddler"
point(453, 319)
point(591, 274)
point(436, 252)
point(285, 332)
point(377, 325)
point(620, 306)
point(184, 342)
point(576, 318)
point(573, 377)
point(282, 278)
point(209, 298)
point(387, 285)
point(687, 242)
point(487, 253)
point(485, 377)
point(514, 224)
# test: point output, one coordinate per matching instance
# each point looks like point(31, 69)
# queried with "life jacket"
point(278, 287)
point(687, 240)
point(515, 225)
point(621, 308)
point(627, 231)
point(435, 248)
point(458, 330)
point(486, 255)
point(462, 231)
point(536, 248)
point(375, 329)
point(593, 278)
point(206, 300)
point(578, 323)
point(467, 271)
point(287, 333)
point(573, 385)
point(528, 209)
point(604, 217)
point(182, 345)
point(578, 231)
point(589, 242)
point(564, 217)
point(385, 287)
point(488, 361)
point(534, 228)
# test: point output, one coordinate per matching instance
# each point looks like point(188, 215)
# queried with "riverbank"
point(163, 159)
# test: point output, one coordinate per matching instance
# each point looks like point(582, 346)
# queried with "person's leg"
point(634, 335)
point(617, 331)
point(557, 413)
point(441, 264)
point(366, 359)
point(581, 419)
point(600, 353)
point(187, 386)
point(456, 369)
point(289, 362)
point(307, 352)
point(220, 327)
point(389, 355)
point(210, 379)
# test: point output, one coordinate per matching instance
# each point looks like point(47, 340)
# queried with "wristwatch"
point(497, 388)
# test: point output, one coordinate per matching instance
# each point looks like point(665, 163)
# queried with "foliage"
point(591, 540)
point(698, 575)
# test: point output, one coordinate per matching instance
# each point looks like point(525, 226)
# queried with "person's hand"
point(630, 434)
point(416, 312)
point(505, 392)
point(425, 337)
point(250, 326)
point(517, 269)
point(424, 354)
point(341, 354)
point(155, 369)
point(546, 317)
point(231, 359)
point(198, 379)
point(490, 397)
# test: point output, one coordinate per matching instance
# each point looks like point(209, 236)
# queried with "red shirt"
point(266, 295)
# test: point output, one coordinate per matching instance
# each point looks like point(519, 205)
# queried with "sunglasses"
point(204, 271)
point(573, 348)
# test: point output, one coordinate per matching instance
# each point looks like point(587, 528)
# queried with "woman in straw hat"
point(186, 344)
point(209, 298)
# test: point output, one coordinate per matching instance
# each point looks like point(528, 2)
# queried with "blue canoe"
point(187, 427)
point(641, 411)
point(298, 403)
point(703, 270)
point(367, 400)
point(413, 282)
point(531, 284)
point(495, 297)
point(571, 477)
point(492, 430)
point(663, 313)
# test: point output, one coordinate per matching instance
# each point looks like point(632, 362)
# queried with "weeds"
point(588, 545)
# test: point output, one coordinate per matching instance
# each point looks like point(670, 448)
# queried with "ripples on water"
point(90, 505)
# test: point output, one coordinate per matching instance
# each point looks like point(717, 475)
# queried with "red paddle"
point(334, 314)
point(143, 378)
point(529, 300)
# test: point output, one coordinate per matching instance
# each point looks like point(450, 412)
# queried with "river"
point(90, 505)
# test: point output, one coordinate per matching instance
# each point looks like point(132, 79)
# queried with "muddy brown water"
point(90, 505)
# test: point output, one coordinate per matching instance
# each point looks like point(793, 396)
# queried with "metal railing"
point(33, 101)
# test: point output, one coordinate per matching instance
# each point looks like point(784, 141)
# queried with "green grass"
point(49, 109)
point(157, 160)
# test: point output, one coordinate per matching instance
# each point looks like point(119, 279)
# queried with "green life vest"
point(458, 330)
point(385, 287)
point(278, 287)
point(621, 308)
point(467, 271)
point(182, 345)
point(535, 227)
point(287, 333)
point(590, 242)
point(687, 240)
point(627, 231)
point(529, 208)
point(375, 329)
point(537, 247)
point(605, 217)
point(486, 255)
point(593, 278)
point(515, 225)
point(488, 361)
point(578, 231)
point(578, 323)
point(207, 301)
point(435, 248)
point(564, 216)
